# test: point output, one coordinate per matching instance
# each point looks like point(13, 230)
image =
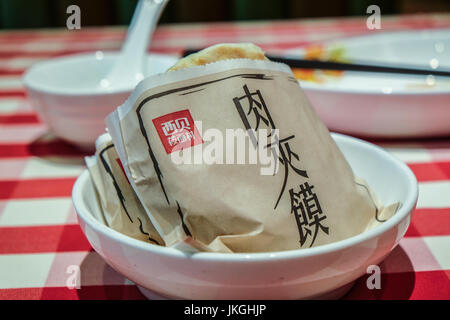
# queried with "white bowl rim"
point(311, 86)
point(30, 82)
point(403, 211)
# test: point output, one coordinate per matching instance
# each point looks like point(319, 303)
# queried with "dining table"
point(44, 254)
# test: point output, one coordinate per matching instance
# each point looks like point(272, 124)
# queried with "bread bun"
point(220, 52)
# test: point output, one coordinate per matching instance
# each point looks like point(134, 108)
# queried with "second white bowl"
point(63, 91)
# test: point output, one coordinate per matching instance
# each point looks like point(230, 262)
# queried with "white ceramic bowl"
point(326, 272)
point(381, 104)
point(65, 93)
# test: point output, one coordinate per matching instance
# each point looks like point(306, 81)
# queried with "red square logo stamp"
point(177, 131)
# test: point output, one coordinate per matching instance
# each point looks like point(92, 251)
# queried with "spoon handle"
point(143, 24)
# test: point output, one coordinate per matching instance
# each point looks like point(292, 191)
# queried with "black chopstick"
point(359, 67)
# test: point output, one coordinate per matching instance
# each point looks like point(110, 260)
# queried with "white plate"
point(326, 271)
point(386, 105)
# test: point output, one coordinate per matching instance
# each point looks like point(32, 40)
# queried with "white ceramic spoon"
point(129, 66)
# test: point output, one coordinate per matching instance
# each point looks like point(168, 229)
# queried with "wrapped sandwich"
point(226, 153)
point(120, 207)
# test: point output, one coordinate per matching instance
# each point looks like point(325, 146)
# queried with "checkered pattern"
point(39, 236)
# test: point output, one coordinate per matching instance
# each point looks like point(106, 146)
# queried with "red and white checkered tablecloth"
point(39, 236)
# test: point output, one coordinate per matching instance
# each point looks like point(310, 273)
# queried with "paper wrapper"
point(313, 198)
point(122, 211)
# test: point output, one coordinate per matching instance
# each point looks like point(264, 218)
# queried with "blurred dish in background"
point(376, 104)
